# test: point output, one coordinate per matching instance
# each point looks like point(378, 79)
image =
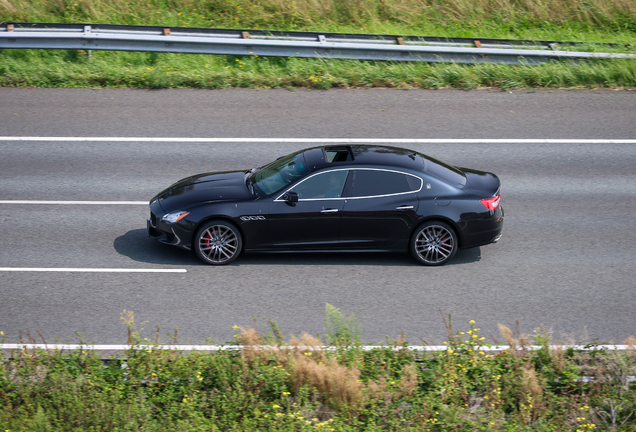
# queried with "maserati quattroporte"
point(332, 199)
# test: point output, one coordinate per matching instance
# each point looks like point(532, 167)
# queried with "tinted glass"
point(325, 185)
point(280, 173)
point(333, 154)
point(414, 183)
point(372, 183)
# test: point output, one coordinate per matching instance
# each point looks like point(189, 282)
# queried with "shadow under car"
point(138, 246)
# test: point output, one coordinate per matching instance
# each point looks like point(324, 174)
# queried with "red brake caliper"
point(208, 242)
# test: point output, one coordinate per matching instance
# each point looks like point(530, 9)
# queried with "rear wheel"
point(218, 242)
point(434, 243)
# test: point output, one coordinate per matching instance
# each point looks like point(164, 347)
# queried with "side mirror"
point(291, 197)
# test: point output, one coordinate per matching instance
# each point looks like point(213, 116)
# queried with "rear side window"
point(367, 183)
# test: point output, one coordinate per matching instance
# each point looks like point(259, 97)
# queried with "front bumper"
point(167, 233)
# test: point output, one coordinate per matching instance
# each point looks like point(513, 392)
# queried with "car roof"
point(351, 155)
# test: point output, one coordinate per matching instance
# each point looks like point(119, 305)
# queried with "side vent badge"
point(251, 218)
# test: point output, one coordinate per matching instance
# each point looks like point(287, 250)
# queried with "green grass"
point(142, 70)
point(592, 21)
point(473, 18)
point(305, 388)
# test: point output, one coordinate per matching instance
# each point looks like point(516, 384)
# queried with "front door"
point(312, 223)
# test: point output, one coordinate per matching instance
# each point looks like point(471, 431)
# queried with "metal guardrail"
point(289, 44)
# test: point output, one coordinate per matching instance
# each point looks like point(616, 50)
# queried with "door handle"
point(329, 211)
point(404, 207)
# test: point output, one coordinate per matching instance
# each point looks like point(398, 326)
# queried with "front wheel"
point(433, 243)
point(218, 242)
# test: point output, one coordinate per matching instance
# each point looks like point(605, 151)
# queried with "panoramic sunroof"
point(338, 154)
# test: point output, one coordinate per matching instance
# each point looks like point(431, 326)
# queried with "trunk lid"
point(481, 183)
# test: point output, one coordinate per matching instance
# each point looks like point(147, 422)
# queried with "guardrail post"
point(89, 53)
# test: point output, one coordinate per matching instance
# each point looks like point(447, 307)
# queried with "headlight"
point(175, 216)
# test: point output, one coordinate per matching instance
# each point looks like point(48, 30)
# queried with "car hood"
point(480, 182)
point(207, 187)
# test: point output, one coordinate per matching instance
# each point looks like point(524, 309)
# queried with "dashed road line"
point(74, 202)
point(89, 270)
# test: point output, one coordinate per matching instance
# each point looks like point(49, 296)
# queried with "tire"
point(218, 242)
point(434, 243)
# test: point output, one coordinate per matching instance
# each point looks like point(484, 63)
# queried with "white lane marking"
point(89, 270)
point(327, 140)
point(74, 202)
point(236, 347)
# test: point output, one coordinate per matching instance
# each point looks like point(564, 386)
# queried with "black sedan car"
point(338, 198)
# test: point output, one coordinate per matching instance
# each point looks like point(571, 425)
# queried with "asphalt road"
point(566, 259)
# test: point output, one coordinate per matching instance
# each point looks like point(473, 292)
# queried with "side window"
point(373, 183)
point(415, 183)
point(325, 185)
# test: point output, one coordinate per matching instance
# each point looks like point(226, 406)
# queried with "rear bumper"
point(484, 231)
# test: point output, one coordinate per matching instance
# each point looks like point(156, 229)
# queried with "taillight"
point(491, 203)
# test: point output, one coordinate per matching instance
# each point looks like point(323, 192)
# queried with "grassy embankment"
point(591, 21)
point(305, 388)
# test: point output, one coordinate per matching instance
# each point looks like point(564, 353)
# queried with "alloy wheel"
point(219, 244)
point(434, 244)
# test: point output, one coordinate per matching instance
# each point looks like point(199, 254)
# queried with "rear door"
point(380, 210)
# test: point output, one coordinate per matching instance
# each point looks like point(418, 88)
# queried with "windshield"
point(275, 176)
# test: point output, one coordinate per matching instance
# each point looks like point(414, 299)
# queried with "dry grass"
point(519, 344)
point(308, 365)
point(631, 343)
point(531, 387)
point(335, 384)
